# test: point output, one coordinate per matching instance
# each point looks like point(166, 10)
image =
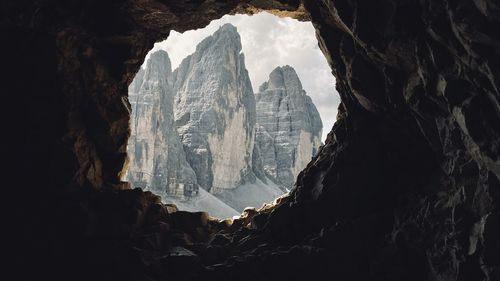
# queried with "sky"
point(268, 42)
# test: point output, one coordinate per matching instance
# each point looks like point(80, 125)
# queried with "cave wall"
point(415, 151)
point(67, 69)
point(406, 187)
point(78, 57)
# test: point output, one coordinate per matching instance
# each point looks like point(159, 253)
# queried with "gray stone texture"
point(157, 158)
point(215, 111)
point(289, 127)
point(200, 125)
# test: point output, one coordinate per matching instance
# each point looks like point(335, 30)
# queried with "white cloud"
point(268, 42)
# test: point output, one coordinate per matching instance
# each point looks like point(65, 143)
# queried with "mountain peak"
point(160, 55)
point(281, 76)
point(159, 60)
point(225, 38)
point(228, 28)
point(285, 70)
point(228, 33)
point(205, 119)
point(291, 126)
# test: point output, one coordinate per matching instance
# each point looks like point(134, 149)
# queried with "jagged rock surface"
point(289, 127)
point(215, 111)
point(405, 188)
point(215, 115)
point(157, 159)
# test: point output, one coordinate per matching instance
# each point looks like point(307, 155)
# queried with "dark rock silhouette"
point(406, 186)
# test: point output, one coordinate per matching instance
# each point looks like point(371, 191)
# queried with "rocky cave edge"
point(406, 186)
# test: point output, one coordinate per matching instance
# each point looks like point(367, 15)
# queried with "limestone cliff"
point(211, 97)
point(215, 111)
point(289, 127)
point(197, 127)
point(157, 159)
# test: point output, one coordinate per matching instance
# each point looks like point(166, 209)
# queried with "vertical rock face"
point(157, 157)
point(215, 111)
point(197, 127)
point(289, 127)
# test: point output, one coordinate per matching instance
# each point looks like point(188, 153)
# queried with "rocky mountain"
point(289, 126)
point(203, 140)
point(157, 158)
point(215, 111)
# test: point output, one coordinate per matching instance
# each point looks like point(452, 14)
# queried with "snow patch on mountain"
point(204, 201)
point(251, 194)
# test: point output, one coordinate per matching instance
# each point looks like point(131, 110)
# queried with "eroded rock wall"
point(70, 64)
point(215, 111)
point(157, 161)
point(411, 167)
point(405, 188)
point(289, 127)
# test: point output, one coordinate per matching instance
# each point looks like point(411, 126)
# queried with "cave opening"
point(225, 117)
point(405, 187)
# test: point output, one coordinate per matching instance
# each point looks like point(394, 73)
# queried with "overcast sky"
point(268, 42)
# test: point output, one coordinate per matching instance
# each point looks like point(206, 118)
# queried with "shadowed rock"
point(405, 187)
